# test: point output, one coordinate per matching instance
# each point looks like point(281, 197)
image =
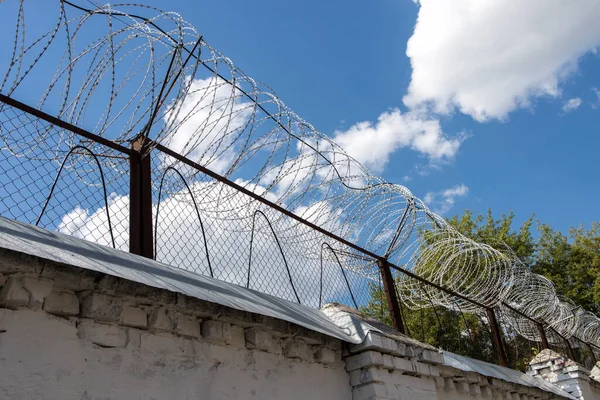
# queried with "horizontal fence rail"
point(188, 161)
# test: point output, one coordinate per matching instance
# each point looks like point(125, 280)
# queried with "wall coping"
point(67, 250)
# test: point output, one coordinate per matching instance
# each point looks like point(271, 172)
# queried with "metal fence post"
point(390, 295)
point(594, 360)
point(140, 199)
point(497, 337)
point(570, 352)
point(543, 336)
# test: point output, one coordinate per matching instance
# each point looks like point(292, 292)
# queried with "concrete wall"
point(72, 334)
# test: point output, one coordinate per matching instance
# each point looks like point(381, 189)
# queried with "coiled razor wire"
point(124, 71)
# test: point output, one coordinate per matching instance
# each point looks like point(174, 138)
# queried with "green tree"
point(571, 262)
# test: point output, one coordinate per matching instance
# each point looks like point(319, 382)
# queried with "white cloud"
point(441, 202)
point(227, 217)
point(571, 104)
point(372, 143)
point(597, 93)
point(205, 123)
point(488, 58)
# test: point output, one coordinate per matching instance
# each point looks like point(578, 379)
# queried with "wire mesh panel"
point(236, 186)
point(56, 181)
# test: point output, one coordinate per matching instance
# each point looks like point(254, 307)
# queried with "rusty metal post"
point(570, 352)
point(594, 359)
point(391, 296)
point(140, 199)
point(497, 337)
point(543, 336)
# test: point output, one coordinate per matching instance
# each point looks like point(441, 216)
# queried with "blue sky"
point(338, 63)
point(506, 92)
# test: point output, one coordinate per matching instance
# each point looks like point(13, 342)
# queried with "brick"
point(306, 335)
point(13, 294)
point(325, 356)
point(101, 307)
point(136, 292)
point(388, 361)
point(461, 387)
point(276, 346)
point(237, 337)
point(103, 335)
point(474, 389)
point(376, 341)
point(355, 377)
point(134, 316)
point(163, 319)
point(212, 331)
point(188, 325)
point(258, 339)
point(375, 374)
point(431, 357)
point(332, 343)
point(70, 278)
point(62, 303)
point(449, 384)
point(363, 360)
point(370, 392)
point(298, 349)
point(38, 290)
point(11, 262)
point(403, 364)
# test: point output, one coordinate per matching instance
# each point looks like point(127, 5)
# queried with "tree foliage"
point(571, 261)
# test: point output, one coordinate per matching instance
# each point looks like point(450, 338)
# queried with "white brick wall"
point(566, 374)
point(382, 368)
point(78, 334)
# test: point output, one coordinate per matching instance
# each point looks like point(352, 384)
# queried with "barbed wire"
point(126, 71)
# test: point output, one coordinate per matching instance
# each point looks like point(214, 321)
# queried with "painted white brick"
point(355, 377)
point(134, 316)
point(103, 335)
point(474, 389)
point(188, 325)
point(326, 356)
point(299, 349)
point(62, 303)
point(363, 360)
point(258, 339)
point(13, 294)
point(163, 319)
point(388, 361)
point(431, 357)
point(276, 346)
point(403, 364)
point(485, 391)
point(64, 278)
point(101, 307)
point(237, 337)
point(212, 331)
point(370, 392)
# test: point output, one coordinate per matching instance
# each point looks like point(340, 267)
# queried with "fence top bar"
point(261, 199)
point(290, 214)
point(63, 124)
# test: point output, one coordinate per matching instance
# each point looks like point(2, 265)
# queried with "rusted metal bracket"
point(391, 295)
point(543, 336)
point(497, 337)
